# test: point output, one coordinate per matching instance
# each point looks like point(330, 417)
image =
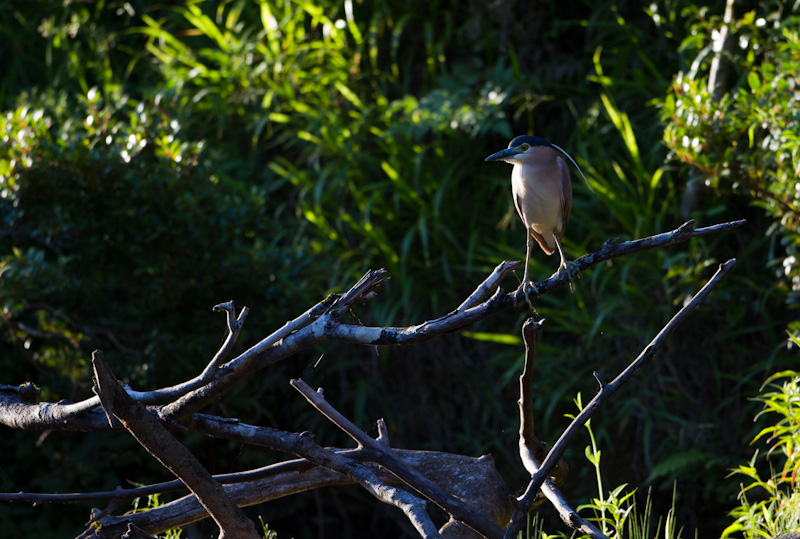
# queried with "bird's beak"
point(503, 155)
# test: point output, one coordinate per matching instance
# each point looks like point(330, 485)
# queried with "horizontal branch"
point(501, 301)
point(328, 327)
point(321, 323)
point(187, 509)
point(294, 466)
point(86, 415)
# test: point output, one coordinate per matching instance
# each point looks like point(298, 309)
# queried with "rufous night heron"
point(542, 191)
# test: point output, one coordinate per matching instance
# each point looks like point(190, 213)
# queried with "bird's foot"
point(572, 272)
point(525, 290)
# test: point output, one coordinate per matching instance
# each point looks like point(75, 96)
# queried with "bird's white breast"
point(539, 198)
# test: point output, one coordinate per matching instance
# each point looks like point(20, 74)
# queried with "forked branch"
point(382, 454)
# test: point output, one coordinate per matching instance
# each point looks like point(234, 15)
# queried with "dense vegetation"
point(159, 159)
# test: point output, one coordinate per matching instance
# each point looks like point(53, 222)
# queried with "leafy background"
point(158, 159)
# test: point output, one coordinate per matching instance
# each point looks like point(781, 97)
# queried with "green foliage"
point(73, 46)
point(611, 510)
point(154, 501)
point(374, 178)
point(771, 506)
point(615, 513)
point(268, 534)
point(110, 213)
point(745, 141)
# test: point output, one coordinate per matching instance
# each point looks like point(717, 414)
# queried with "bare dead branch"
point(525, 501)
point(413, 506)
point(153, 436)
point(359, 292)
point(78, 417)
point(235, 324)
point(187, 509)
point(245, 363)
point(135, 533)
point(484, 488)
point(613, 249)
point(341, 462)
point(367, 464)
point(499, 301)
point(327, 325)
point(27, 391)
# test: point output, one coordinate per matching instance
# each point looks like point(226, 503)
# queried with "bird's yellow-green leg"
point(564, 265)
point(525, 279)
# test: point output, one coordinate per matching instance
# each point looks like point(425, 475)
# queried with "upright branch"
point(525, 502)
point(532, 451)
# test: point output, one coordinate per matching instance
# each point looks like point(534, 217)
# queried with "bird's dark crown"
point(529, 140)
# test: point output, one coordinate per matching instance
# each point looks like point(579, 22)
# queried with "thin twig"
point(289, 466)
point(235, 324)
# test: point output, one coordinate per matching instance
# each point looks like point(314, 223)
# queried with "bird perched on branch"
point(542, 191)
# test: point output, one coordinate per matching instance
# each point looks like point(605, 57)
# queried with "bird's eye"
point(524, 147)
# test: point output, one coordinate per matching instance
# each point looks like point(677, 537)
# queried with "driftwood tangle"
point(469, 489)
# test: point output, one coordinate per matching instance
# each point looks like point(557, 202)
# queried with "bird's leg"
point(564, 265)
point(525, 279)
